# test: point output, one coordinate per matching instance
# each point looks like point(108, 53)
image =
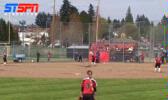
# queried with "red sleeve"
point(156, 60)
point(161, 60)
point(82, 85)
point(94, 84)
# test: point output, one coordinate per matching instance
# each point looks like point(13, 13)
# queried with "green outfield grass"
point(68, 89)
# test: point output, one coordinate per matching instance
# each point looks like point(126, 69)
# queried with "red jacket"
point(158, 60)
point(88, 86)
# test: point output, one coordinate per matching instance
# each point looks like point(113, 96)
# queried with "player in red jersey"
point(158, 62)
point(88, 87)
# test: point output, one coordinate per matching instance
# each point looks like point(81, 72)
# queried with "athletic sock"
point(155, 69)
point(94, 63)
point(158, 69)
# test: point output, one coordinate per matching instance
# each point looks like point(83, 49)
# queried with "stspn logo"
point(21, 8)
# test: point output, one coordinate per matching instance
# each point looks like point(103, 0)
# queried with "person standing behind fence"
point(97, 57)
point(4, 58)
point(142, 57)
point(163, 57)
point(158, 62)
point(80, 57)
point(76, 56)
point(38, 56)
point(93, 59)
point(49, 56)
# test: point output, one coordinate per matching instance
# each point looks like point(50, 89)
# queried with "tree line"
point(77, 24)
point(5, 27)
point(140, 26)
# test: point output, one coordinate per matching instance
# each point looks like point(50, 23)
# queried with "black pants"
point(4, 59)
point(157, 65)
point(38, 59)
point(97, 60)
point(88, 97)
point(93, 60)
point(80, 59)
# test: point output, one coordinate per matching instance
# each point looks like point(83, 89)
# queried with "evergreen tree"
point(143, 24)
point(142, 19)
point(116, 24)
point(73, 10)
point(42, 19)
point(91, 13)
point(84, 17)
point(22, 24)
point(14, 34)
point(129, 17)
point(65, 11)
point(108, 20)
point(122, 22)
point(4, 32)
point(164, 20)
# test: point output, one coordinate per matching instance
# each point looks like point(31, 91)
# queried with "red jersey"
point(93, 58)
point(88, 86)
point(49, 55)
point(158, 60)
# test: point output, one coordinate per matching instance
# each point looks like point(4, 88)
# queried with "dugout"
point(123, 50)
point(102, 48)
point(74, 51)
point(115, 50)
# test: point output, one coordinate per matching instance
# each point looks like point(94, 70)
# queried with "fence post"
point(89, 34)
point(123, 51)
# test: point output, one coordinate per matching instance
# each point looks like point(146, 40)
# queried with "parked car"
point(19, 57)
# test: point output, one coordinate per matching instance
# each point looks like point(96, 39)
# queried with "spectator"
point(97, 57)
point(49, 56)
point(4, 58)
point(158, 62)
point(76, 56)
point(142, 57)
point(38, 56)
point(80, 57)
point(93, 59)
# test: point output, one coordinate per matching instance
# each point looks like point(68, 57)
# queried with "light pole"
point(52, 36)
point(110, 27)
point(123, 50)
point(22, 23)
point(9, 33)
point(164, 26)
point(48, 21)
point(89, 34)
point(139, 40)
point(97, 21)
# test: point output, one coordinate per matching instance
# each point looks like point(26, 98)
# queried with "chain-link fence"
point(126, 42)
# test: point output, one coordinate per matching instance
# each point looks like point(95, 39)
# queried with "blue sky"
point(153, 9)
